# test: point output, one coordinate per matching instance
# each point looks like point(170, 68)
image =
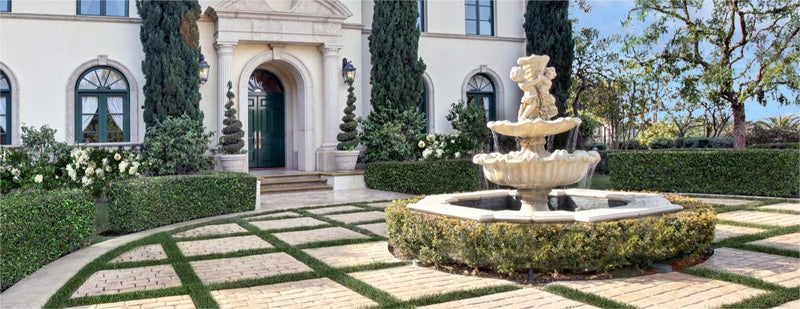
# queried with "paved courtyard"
point(337, 256)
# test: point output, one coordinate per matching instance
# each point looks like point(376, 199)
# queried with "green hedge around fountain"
point(423, 177)
point(545, 247)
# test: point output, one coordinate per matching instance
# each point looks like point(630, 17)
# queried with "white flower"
point(105, 161)
point(15, 172)
point(421, 144)
point(16, 178)
point(426, 153)
point(123, 166)
point(117, 156)
point(99, 173)
point(109, 168)
point(89, 171)
point(132, 170)
point(86, 181)
point(38, 178)
point(56, 177)
point(71, 172)
point(444, 144)
point(457, 155)
point(439, 153)
point(452, 141)
point(430, 137)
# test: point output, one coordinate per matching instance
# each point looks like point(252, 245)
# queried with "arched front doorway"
point(265, 115)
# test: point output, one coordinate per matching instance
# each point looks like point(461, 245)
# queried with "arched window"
point(480, 90)
point(102, 109)
point(262, 81)
point(5, 109)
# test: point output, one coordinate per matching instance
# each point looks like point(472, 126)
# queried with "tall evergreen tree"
point(171, 46)
point(548, 31)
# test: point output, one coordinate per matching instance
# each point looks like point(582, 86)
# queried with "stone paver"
point(790, 305)
point(282, 214)
point(169, 302)
point(760, 217)
point(328, 210)
point(523, 298)
point(724, 231)
point(771, 268)
point(217, 229)
point(787, 241)
point(671, 290)
point(313, 293)
point(247, 267)
point(723, 201)
point(115, 281)
point(410, 282)
point(381, 205)
point(354, 255)
point(143, 253)
point(222, 245)
point(783, 206)
point(331, 233)
point(377, 228)
point(359, 216)
point(287, 223)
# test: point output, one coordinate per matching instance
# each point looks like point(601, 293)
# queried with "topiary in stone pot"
point(231, 156)
point(347, 150)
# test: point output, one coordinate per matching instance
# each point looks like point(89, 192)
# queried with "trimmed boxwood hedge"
point(565, 247)
point(40, 226)
point(747, 171)
point(423, 177)
point(148, 202)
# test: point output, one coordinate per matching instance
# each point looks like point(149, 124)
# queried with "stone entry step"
point(293, 183)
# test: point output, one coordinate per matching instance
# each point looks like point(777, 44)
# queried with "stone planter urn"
point(346, 159)
point(233, 162)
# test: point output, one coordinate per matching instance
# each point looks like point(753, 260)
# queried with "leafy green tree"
point(171, 47)
point(348, 139)
point(176, 145)
point(232, 134)
point(470, 121)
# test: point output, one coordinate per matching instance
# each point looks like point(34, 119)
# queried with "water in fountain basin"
point(566, 203)
point(587, 179)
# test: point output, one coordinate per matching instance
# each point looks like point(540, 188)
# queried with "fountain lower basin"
point(478, 206)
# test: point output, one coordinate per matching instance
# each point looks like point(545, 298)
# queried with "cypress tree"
point(171, 46)
point(548, 31)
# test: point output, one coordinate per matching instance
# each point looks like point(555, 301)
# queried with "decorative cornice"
point(460, 36)
point(81, 18)
point(353, 26)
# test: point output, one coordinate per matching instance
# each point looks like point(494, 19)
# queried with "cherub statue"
point(535, 80)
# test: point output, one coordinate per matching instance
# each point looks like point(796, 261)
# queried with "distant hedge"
point(148, 202)
point(748, 172)
point(422, 177)
point(40, 226)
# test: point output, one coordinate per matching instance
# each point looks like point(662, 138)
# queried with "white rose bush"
point(431, 147)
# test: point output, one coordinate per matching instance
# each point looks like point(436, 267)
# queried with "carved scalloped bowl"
point(528, 170)
point(533, 128)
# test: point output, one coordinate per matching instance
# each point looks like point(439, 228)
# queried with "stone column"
point(224, 74)
point(331, 76)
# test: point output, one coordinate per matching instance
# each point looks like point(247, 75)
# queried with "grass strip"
point(372, 266)
point(778, 294)
point(338, 242)
point(459, 295)
point(201, 224)
point(234, 254)
point(369, 222)
point(730, 277)
point(769, 300)
point(200, 294)
point(128, 296)
point(299, 228)
point(122, 265)
point(767, 250)
point(749, 206)
point(745, 224)
point(246, 283)
point(207, 237)
point(591, 299)
point(255, 219)
point(351, 227)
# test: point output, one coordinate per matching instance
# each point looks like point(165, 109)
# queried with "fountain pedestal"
point(534, 200)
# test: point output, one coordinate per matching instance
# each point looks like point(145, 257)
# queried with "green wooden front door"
point(266, 127)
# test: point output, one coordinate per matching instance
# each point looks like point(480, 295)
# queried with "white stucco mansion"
point(75, 65)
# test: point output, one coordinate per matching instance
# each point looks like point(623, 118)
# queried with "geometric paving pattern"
point(771, 268)
point(359, 216)
point(670, 290)
point(313, 293)
point(331, 233)
point(287, 223)
point(381, 205)
point(354, 255)
point(787, 241)
point(216, 229)
point(222, 245)
point(275, 215)
point(143, 253)
point(522, 298)
point(790, 305)
point(759, 217)
point(377, 228)
point(722, 231)
point(169, 302)
point(113, 281)
point(722, 201)
point(783, 206)
point(328, 210)
point(409, 282)
point(247, 267)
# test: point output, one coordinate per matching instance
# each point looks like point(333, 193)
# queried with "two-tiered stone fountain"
point(534, 171)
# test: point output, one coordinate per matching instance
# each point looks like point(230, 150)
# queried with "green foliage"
point(656, 131)
point(470, 121)
point(348, 139)
point(148, 202)
point(442, 146)
point(391, 140)
point(176, 146)
point(776, 146)
point(661, 143)
point(231, 141)
point(170, 41)
point(422, 177)
point(39, 227)
point(702, 142)
point(748, 172)
point(765, 133)
point(572, 247)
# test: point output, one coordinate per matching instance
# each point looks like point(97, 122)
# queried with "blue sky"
point(607, 15)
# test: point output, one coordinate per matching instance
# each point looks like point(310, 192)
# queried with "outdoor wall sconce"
point(348, 72)
point(204, 67)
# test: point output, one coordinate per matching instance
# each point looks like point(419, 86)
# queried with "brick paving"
point(787, 241)
point(783, 206)
point(359, 217)
point(313, 293)
point(519, 299)
point(759, 217)
point(169, 302)
point(247, 267)
point(723, 201)
point(217, 229)
point(115, 281)
point(328, 210)
point(410, 282)
point(771, 268)
point(222, 245)
point(275, 215)
point(287, 223)
point(790, 305)
point(331, 233)
point(143, 253)
point(722, 231)
point(377, 228)
point(381, 205)
point(354, 255)
point(671, 290)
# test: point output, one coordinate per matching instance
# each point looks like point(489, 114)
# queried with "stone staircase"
point(292, 183)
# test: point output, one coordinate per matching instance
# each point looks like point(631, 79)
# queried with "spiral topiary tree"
point(348, 139)
point(232, 134)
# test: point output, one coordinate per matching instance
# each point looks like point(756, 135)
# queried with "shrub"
point(231, 141)
point(425, 177)
point(661, 143)
point(94, 169)
point(149, 202)
point(348, 138)
point(176, 145)
point(776, 146)
point(658, 130)
point(40, 226)
point(391, 140)
point(574, 247)
point(595, 146)
point(702, 142)
point(760, 133)
point(749, 172)
point(441, 147)
point(470, 121)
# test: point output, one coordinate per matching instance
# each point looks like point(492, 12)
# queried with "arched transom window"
point(102, 109)
point(262, 81)
point(5, 109)
point(480, 90)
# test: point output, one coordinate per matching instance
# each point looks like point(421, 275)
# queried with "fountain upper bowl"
point(530, 170)
point(535, 127)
